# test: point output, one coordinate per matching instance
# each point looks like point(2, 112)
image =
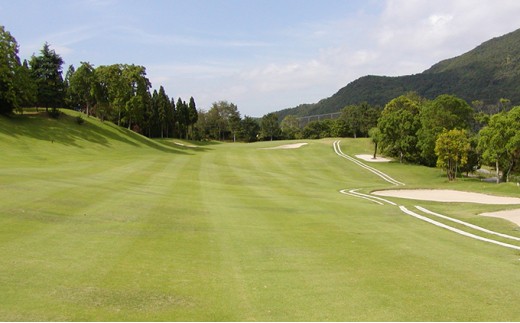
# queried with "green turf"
point(99, 224)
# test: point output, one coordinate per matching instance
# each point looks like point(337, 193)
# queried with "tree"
point(399, 123)
point(446, 112)
point(193, 114)
point(24, 87)
point(250, 129)
point(46, 69)
point(316, 130)
point(375, 135)
point(136, 87)
point(451, 148)
point(290, 127)
point(269, 126)
point(82, 84)
point(162, 103)
point(499, 142)
point(183, 117)
point(9, 65)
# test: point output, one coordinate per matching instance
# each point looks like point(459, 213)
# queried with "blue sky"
point(261, 55)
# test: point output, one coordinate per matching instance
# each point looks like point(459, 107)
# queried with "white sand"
point(510, 215)
point(370, 158)
point(289, 146)
point(449, 196)
point(184, 145)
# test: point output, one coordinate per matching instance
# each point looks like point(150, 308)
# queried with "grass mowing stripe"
point(186, 235)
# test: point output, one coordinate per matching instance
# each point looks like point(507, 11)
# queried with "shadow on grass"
point(66, 131)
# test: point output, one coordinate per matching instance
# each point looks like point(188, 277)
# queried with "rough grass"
point(99, 224)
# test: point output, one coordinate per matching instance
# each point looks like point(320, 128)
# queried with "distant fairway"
point(100, 224)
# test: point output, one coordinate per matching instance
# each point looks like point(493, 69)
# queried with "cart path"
point(382, 201)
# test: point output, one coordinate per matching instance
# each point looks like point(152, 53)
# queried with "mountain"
point(488, 72)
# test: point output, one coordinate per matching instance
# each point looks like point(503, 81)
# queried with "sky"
point(263, 56)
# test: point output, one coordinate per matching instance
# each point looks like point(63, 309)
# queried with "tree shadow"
point(67, 131)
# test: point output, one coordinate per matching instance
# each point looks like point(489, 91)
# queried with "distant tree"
point(338, 128)
point(316, 130)
point(399, 123)
point(137, 94)
point(46, 69)
point(162, 106)
point(24, 87)
point(376, 136)
point(499, 142)
point(352, 116)
point(446, 112)
point(290, 127)
point(359, 119)
point(9, 63)
point(192, 113)
point(452, 148)
point(183, 117)
point(269, 126)
point(250, 129)
point(82, 85)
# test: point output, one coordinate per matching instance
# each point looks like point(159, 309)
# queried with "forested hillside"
point(487, 73)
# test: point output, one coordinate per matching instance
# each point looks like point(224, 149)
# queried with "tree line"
point(119, 93)
point(446, 132)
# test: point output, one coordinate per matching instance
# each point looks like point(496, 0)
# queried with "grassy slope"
point(99, 224)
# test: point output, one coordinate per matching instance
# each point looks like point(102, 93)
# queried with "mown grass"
point(99, 224)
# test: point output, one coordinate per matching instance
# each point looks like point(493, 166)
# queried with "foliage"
point(445, 112)
point(290, 127)
point(399, 123)
point(451, 148)
point(499, 142)
point(46, 70)
point(17, 88)
point(358, 119)
point(269, 126)
point(376, 136)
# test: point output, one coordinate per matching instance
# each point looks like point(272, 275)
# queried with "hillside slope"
point(488, 72)
point(36, 136)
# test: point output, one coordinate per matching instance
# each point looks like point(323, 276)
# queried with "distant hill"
point(489, 72)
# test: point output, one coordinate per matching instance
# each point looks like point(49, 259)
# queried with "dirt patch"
point(370, 158)
point(289, 146)
point(449, 196)
point(510, 215)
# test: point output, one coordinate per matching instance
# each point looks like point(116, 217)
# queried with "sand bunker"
point(184, 145)
point(449, 196)
point(510, 215)
point(370, 158)
point(290, 146)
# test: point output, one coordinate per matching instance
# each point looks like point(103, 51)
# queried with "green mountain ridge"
point(489, 72)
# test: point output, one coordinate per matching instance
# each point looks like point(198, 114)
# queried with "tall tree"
point(24, 87)
point(193, 114)
point(250, 129)
point(183, 117)
point(47, 71)
point(446, 112)
point(82, 84)
point(9, 63)
point(269, 126)
point(290, 127)
point(499, 142)
point(399, 123)
point(452, 148)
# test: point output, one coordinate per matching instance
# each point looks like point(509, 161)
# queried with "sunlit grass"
point(100, 224)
